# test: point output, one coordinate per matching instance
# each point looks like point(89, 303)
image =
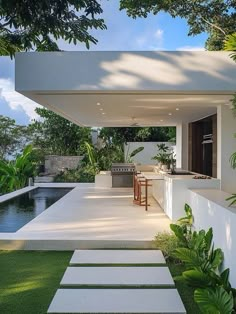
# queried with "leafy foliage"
point(129, 156)
point(164, 155)
point(70, 175)
point(56, 135)
point(232, 199)
point(167, 243)
point(214, 300)
point(182, 229)
point(216, 17)
point(28, 25)
point(202, 267)
point(14, 174)
point(119, 136)
point(230, 45)
point(13, 137)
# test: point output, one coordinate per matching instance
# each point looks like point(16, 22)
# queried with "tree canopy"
point(54, 134)
point(121, 135)
point(37, 25)
point(13, 137)
point(215, 17)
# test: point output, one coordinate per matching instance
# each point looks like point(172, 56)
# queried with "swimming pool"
point(18, 211)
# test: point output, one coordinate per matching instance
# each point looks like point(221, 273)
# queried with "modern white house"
point(142, 88)
point(189, 90)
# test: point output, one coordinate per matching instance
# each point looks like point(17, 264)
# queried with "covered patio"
point(140, 88)
point(89, 217)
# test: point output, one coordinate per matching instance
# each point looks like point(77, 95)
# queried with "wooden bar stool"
point(138, 179)
point(144, 199)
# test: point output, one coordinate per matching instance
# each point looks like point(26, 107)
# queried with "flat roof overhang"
point(128, 88)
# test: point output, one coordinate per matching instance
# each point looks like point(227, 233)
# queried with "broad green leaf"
point(224, 276)
point(197, 278)
point(136, 151)
point(214, 300)
point(178, 231)
point(189, 257)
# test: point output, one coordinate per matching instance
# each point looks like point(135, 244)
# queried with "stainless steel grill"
point(122, 174)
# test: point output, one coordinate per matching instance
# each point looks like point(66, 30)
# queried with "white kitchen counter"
point(171, 192)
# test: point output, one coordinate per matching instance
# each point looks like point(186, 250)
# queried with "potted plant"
point(164, 157)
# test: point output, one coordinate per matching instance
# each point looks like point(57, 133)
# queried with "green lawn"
point(29, 280)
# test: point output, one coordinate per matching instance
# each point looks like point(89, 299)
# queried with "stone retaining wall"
point(54, 163)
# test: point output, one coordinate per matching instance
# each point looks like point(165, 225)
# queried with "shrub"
point(87, 173)
point(166, 242)
point(68, 176)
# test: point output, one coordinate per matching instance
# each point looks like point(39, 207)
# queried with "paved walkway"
point(110, 289)
point(93, 217)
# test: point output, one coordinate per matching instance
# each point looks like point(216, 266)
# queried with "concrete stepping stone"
point(117, 257)
point(117, 301)
point(116, 276)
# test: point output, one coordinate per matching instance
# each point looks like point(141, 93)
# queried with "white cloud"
point(191, 48)
point(15, 100)
point(159, 34)
point(150, 40)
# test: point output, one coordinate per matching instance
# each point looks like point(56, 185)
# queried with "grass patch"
point(29, 280)
point(185, 291)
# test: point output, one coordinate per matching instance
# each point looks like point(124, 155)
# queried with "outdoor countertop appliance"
point(122, 175)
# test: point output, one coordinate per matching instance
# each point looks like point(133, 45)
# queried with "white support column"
point(182, 146)
point(226, 145)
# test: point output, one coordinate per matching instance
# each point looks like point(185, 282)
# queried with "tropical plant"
point(230, 45)
point(92, 156)
point(183, 228)
point(14, 174)
point(214, 300)
point(129, 156)
point(232, 199)
point(164, 156)
point(214, 293)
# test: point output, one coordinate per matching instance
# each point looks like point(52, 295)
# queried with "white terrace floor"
point(89, 217)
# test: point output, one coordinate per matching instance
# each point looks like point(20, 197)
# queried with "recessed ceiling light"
point(177, 109)
point(98, 104)
point(170, 114)
point(101, 109)
point(103, 112)
point(161, 120)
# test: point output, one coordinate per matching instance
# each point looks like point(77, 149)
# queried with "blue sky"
point(159, 32)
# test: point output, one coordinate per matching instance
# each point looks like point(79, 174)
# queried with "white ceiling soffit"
point(126, 109)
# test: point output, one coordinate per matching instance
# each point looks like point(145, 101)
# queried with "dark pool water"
point(18, 211)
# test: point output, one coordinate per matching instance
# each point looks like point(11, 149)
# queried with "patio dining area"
point(90, 217)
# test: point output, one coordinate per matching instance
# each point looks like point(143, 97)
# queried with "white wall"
point(182, 146)
point(150, 150)
point(226, 145)
point(211, 210)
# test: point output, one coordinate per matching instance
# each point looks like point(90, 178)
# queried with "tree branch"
point(213, 25)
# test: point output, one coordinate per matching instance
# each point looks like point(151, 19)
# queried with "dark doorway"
point(203, 146)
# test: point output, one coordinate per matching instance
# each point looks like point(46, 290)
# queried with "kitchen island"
point(171, 190)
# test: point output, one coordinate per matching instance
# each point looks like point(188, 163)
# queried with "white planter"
point(164, 167)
